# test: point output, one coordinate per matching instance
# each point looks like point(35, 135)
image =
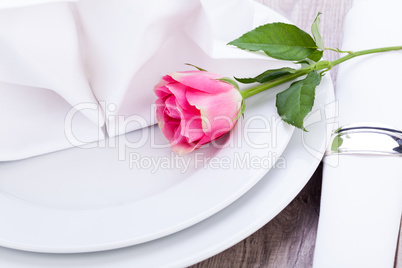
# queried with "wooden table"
point(289, 239)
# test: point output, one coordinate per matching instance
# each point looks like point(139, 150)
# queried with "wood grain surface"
point(289, 239)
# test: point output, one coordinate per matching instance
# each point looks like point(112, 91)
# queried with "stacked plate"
point(151, 208)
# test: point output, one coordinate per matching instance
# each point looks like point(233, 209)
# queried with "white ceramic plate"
point(224, 229)
point(82, 200)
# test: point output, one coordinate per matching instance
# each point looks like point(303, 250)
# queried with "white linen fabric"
point(24, 3)
point(70, 68)
point(42, 76)
point(361, 201)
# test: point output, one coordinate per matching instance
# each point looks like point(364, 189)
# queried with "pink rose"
point(195, 108)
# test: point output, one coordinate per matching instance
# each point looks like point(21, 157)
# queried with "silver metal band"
point(366, 138)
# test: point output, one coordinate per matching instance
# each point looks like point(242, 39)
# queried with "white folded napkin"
point(22, 3)
point(69, 67)
point(361, 201)
point(42, 76)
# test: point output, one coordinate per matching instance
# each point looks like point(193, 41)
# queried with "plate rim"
point(168, 251)
point(82, 246)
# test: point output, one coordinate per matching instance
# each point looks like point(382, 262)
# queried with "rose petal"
point(171, 108)
point(168, 79)
point(179, 91)
point(162, 92)
point(182, 146)
point(204, 140)
point(202, 81)
point(160, 84)
point(169, 126)
point(194, 108)
point(169, 129)
point(191, 123)
point(192, 129)
point(218, 111)
point(160, 108)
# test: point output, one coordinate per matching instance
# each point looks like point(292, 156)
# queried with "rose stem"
point(321, 65)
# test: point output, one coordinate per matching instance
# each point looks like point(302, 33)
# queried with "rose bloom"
point(195, 108)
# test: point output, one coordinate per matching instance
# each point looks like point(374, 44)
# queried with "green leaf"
point(246, 80)
point(296, 102)
point(278, 40)
point(315, 30)
point(198, 68)
point(267, 76)
point(316, 56)
point(230, 81)
point(305, 62)
point(241, 111)
point(336, 143)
